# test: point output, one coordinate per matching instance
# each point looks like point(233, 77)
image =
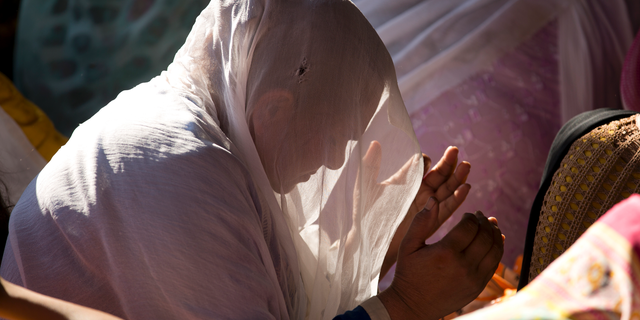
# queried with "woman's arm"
point(18, 303)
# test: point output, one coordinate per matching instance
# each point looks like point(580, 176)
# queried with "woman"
point(263, 175)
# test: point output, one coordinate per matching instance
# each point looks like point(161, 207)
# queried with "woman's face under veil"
point(293, 147)
point(301, 117)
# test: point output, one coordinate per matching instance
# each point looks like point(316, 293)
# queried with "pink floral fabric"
point(597, 278)
point(504, 120)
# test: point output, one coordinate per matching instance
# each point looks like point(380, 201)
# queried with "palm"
point(447, 184)
point(444, 182)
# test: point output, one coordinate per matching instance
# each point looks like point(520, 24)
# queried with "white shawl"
point(234, 185)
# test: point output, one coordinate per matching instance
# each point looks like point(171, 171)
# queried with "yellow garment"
point(33, 122)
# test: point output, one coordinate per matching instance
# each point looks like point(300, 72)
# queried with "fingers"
point(443, 169)
point(482, 242)
point(454, 181)
point(465, 169)
point(424, 192)
point(373, 156)
point(444, 182)
point(401, 175)
point(491, 260)
point(451, 204)
point(372, 160)
point(462, 234)
point(424, 224)
point(367, 175)
point(427, 165)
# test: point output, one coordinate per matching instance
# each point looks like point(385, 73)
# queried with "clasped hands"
point(432, 281)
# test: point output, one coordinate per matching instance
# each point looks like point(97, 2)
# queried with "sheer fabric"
point(235, 184)
point(498, 78)
point(438, 44)
point(630, 80)
point(596, 278)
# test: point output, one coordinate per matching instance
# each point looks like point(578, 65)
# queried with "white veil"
point(323, 61)
point(235, 184)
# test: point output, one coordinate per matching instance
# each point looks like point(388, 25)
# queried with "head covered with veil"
point(303, 88)
point(302, 99)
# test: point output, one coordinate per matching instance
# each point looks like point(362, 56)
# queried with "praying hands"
point(467, 256)
point(446, 184)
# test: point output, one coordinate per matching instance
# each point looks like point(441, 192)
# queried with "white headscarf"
point(296, 91)
point(325, 59)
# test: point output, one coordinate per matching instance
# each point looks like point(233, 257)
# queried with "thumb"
point(371, 162)
point(424, 224)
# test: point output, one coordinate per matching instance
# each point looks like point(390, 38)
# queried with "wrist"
point(400, 308)
point(395, 305)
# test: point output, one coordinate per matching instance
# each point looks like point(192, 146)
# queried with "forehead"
point(330, 60)
point(350, 122)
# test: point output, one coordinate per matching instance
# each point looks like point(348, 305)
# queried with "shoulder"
point(150, 145)
point(152, 124)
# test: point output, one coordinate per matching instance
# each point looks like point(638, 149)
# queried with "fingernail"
point(430, 203)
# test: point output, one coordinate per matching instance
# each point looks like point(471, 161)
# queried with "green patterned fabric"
point(74, 56)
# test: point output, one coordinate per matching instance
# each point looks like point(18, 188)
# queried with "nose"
point(335, 156)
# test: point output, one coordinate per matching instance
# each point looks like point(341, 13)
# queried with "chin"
point(286, 186)
point(281, 187)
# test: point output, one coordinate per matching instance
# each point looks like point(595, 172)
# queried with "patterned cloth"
point(498, 79)
point(597, 278)
point(599, 169)
point(495, 118)
point(75, 56)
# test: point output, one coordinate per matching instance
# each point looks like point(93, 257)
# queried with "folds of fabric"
point(494, 77)
point(456, 41)
point(594, 37)
point(630, 82)
point(148, 216)
point(595, 279)
point(438, 44)
point(574, 174)
point(262, 175)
